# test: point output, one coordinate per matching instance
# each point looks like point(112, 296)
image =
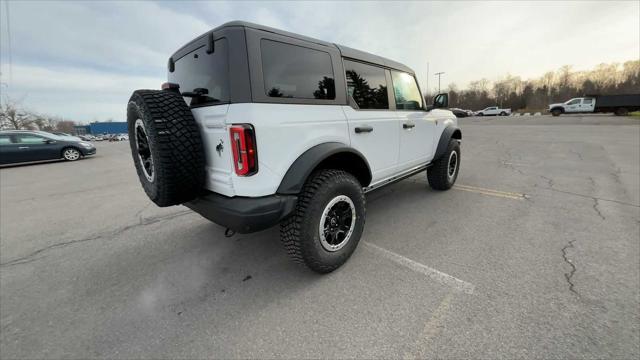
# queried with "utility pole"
point(439, 73)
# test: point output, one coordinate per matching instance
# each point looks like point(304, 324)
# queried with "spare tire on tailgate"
point(166, 146)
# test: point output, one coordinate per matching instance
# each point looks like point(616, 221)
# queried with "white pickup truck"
point(493, 110)
point(619, 104)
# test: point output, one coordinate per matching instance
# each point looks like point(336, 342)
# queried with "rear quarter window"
point(198, 69)
point(292, 71)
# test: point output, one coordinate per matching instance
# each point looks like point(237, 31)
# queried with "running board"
point(395, 178)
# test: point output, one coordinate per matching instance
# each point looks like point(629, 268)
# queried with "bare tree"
point(553, 86)
point(66, 126)
point(13, 116)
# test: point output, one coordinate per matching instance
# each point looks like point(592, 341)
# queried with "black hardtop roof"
point(344, 50)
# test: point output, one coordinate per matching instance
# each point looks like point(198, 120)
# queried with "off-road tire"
point(556, 112)
point(300, 231)
point(175, 145)
point(438, 173)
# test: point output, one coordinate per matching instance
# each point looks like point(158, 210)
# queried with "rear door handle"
point(408, 126)
point(363, 129)
point(23, 147)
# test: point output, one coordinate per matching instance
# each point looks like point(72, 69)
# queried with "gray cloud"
point(82, 59)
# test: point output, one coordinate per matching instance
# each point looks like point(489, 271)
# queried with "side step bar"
point(403, 175)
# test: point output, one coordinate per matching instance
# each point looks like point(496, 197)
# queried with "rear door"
point(588, 104)
point(373, 126)
point(416, 125)
point(34, 147)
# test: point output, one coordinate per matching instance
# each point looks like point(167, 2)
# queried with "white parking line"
point(434, 274)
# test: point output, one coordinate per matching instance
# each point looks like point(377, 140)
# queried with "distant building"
point(99, 128)
point(81, 129)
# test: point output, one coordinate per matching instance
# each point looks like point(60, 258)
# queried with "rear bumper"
point(244, 214)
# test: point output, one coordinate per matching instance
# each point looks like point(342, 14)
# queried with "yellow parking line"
point(490, 192)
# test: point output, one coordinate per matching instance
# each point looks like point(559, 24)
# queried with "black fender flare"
point(449, 132)
point(557, 108)
point(302, 167)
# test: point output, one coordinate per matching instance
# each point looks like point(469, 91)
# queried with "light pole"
point(439, 73)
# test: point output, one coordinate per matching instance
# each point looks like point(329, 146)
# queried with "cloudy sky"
point(81, 60)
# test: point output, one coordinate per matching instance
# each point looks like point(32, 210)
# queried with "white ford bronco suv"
point(258, 127)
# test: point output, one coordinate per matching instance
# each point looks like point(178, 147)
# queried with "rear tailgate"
point(198, 69)
point(215, 138)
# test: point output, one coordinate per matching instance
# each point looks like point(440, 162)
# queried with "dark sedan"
point(459, 112)
point(27, 146)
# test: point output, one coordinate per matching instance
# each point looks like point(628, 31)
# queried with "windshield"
point(209, 73)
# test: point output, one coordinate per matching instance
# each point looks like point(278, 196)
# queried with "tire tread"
point(291, 227)
point(179, 160)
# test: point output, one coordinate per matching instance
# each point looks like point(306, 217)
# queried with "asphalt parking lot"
point(535, 253)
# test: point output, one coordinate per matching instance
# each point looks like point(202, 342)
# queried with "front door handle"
point(23, 147)
point(363, 129)
point(408, 126)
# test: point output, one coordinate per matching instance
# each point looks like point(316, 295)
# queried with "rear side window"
point(5, 140)
point(199, 70)
point(29, 139)
point(292, 71)
point(587, 101)
point(406, 91)
point(367, 85)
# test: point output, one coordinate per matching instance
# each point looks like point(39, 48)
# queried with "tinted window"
point(199, 70)
point(367, 85)
point(587, 101)
point(574, 102)
point(29, 139)
point(292, 71)
point(406, 91)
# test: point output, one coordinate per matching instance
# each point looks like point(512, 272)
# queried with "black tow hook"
point(229, 233)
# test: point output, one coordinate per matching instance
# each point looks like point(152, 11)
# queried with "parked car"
point(235, 154)
point(64, 135)
point(459, 112)
point(618, 104)
point(18, 146)
point(493, 111)
point(98, 138)
point(122, 137)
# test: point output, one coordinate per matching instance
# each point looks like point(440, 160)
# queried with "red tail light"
point(243, 146)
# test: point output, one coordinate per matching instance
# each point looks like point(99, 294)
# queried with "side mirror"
point(49, 141)
point(441, 101)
